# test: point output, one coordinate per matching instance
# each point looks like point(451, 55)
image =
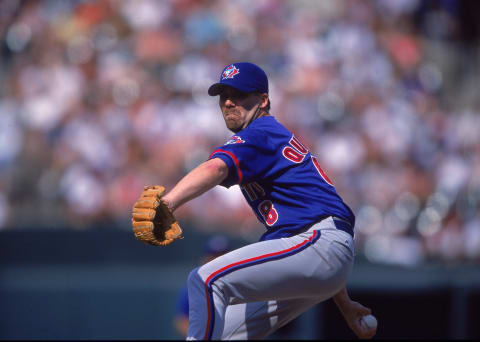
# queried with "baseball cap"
point(244, 76)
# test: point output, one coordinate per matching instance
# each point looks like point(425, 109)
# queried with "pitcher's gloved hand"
point(152, 221)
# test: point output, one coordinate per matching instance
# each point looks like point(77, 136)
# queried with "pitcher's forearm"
point(196, 182)
point(341, 299)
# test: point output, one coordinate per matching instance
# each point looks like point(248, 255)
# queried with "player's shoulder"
point(265, 131)
point(265, 127)
point(258, 132)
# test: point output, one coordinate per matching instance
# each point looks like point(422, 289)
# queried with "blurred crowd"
point(99, 98)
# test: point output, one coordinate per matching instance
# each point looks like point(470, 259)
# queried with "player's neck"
point(263, 113)
point(257, 115)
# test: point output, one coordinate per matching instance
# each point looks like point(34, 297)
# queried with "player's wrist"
point(169, 203)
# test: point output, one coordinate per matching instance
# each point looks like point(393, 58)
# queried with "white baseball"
point(368, 322)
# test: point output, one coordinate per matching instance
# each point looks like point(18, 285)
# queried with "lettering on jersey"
point(230, 72)
point(254, 191)
point(268, 212)
point(258, 189)
point(298, 145)
point(293, 155)
point(320, 171)
point(296, 151)
point(235, 140)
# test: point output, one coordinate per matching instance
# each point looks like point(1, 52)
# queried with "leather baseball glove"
point(152, 220)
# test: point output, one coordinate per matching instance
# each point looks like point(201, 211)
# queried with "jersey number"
point(320, 171)
point(268, 212)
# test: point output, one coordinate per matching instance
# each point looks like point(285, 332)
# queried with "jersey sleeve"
point(247, 156)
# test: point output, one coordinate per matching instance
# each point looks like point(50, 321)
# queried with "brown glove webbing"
point(152, 220)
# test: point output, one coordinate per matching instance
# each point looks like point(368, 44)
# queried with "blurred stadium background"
point(99, 98)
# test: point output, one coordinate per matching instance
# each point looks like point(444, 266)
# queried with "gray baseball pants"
point(254, 290)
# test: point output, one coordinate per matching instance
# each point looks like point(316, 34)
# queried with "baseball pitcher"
point(307, 251)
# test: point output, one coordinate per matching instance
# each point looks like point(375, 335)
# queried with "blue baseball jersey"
point(282, 182)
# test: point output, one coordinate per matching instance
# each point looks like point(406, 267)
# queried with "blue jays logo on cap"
point(246, 77)
point(230, 72)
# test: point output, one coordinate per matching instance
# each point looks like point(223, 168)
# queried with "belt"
point(341, 224)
